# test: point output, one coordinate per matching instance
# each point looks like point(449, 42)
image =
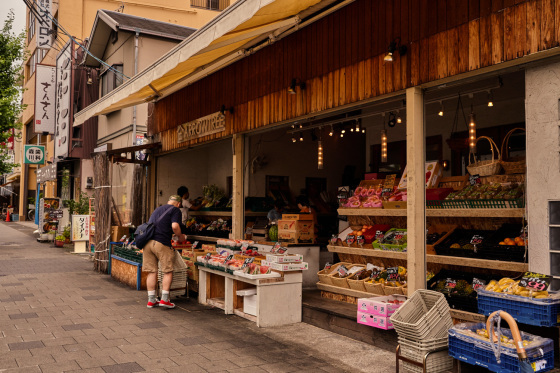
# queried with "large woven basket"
point(485, 168)
point(395, 290)
point(514, 165)
point(357, 284)
point(374, 288)
point(324, 274)
point(342, 282)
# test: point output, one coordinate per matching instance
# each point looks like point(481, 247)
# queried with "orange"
point(359, 233)
point(509, 241)
point(502, 243)
point(517, 239)
point(520, 243)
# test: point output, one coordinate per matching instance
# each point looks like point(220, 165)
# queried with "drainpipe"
point(135, 72)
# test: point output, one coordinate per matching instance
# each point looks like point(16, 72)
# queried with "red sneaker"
point(166, 304)
point(153, 304)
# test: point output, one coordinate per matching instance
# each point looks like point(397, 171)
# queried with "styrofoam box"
point(285, 267)
point(250, 304)
point(289, 258)
point(379, 305)
point(376, 321)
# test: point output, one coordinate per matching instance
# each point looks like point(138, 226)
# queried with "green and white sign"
point(34, 154)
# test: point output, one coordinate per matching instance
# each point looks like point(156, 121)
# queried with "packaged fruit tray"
point(394, 240)
point(505, 244)
point(459, 243)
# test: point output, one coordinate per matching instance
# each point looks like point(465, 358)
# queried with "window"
point(31, 28)
point(210, 4)
point(111, 80)
point(36, 58)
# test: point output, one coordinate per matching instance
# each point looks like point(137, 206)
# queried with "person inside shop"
point(276, 213)
point(305, 208)
point(186, 203)
point(167, 221)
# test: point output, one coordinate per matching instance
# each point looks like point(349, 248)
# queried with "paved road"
point(58, 315)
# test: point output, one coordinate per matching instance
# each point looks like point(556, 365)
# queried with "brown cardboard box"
point(303, 226)
point(117, 233)
point(433, 171)
point(297, 217)
point(296, 237)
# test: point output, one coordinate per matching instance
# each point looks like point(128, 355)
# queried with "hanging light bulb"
point(301, 126)
point(399, 119)
point(490, 99)
point(363, 130)
point(293, 139)
point(332, 131)
point(343, 131)
point(357, 126)
point(440, 113)
point(320, 155)
point(342, 134)
point(301, 137)
point(352, 129)
point(472, 131)
point(383, 146)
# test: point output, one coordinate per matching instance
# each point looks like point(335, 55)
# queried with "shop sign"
point(140, 141)
point(44, 25)
point(45, 92)
point(204, 126)
point(80, 227)
point(34, 154)
point(63, 116)
point(48, 214)
point(46, 173)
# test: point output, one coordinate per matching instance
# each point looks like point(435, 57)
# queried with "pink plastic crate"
point(379, 305)
point(375, 321)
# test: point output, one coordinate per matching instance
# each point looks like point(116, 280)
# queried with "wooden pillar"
point(416, 205)
point(238, 210)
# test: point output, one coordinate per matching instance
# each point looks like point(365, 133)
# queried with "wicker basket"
point(515, 165)
point(342, 282)
point(357, 284)
point(374, 288)
point(485, 168)
point(324, 274)
point(395, 290)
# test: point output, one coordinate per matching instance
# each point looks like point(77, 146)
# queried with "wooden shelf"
point(439, 259)
point(467, 213)
point(467, 316)
point(192, 237)
point(345, 291)
point(224, 213)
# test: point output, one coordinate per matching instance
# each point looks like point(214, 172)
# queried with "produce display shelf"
point(467, 316)
point(345, 291)
point(467, 212)
point(225, 213)
point(192, 237)
point(439, 259)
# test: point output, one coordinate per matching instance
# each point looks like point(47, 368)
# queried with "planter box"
point(128, 272)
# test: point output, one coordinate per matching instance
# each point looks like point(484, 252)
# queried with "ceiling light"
point(301, 137)
point(395, 45)
point(383, 146)
point(363, 130)
point(399, 119)
point(490, 99)
point(440, 113)
point(472, 131)
point(320, 155)
point(332, 131)
point(293, 86)
point(293, 139)
point(392, 120)
point(343, 131)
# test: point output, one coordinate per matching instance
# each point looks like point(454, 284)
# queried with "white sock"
point(165, 295)
point(152, 296)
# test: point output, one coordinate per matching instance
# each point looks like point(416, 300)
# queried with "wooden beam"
point(416, 204)
point(238, 194)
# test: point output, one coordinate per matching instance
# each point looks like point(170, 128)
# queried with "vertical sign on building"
point(44, 24)
point(45, 96)
point(63, 113)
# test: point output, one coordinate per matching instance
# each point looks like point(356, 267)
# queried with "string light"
point(472, 131)
point(320, 155)
point(357, 126)
point(383, 145)
point(440, 113)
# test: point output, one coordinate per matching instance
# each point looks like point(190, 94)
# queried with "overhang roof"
point(107, 21)
point(225, 39)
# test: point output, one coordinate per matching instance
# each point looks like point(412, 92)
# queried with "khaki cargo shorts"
point(155, 251)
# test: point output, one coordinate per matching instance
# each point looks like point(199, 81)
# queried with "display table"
point(311, 255)
point(278, 299)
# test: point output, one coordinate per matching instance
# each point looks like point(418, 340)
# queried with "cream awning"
point(219, 42)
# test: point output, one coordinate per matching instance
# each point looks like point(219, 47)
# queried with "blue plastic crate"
point(475, 352)
point(539, 312)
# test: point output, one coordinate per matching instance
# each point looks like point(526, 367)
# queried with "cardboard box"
point(433, 172)
point(375, 321)
point(117, 233)
point(291, 258)
point(285, 267)
point(379, 305)
point(296, 237)
point(303, 226)
point(297, 217)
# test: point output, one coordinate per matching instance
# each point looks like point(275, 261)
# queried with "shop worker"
point(159, 250)
point(276, 213)
point(186, 203)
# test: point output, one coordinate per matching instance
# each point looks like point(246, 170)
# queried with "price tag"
point(244, 246)
point(194, 245)
point(450, 283)
point(350, 239)
point(361, 240)
point(379, 235)
point(334, 239)
point(247, 261)
point(328, 265)
point(478, 283)
point(535, 281)
point(476, 239)
point(276, 247)
point(474, 179)
point(282, 250)
point(374, 274)
point(389, 182)
point(342, 271)
point(393, 273)
point(208, 256)
point(229, 257)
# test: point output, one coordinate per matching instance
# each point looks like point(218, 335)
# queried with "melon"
point(273, 233)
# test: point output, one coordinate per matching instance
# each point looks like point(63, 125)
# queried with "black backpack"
point(145, 231)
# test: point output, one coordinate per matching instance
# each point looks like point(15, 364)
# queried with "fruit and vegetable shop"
point(338, 168)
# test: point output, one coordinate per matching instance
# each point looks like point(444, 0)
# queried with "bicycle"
point(31, 214)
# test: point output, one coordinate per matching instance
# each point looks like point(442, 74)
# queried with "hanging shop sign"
point(34, 154)
point(45, 91)
point(44, 24)
point(140, 141)
point(47, 173)
point(80, 227)
point(204, 126)
point(63, 117)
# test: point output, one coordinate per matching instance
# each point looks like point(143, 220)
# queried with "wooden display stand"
point(128, 272)
point(278, 299)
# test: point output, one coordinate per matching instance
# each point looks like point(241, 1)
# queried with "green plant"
point(66, 231)
point(79, 207)
point(60, 238)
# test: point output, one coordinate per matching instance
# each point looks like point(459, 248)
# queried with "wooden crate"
point(455, 182)
point(128, 273)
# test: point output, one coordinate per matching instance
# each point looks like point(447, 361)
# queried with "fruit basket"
point(436, 234)
point(501, 246)
point(343, 281)
point(324, 274)
point(395, 239)
point(459, 243)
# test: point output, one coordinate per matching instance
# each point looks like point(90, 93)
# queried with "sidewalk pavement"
point(59, 315)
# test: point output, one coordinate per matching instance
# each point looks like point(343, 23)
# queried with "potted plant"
point(66, 234)
point(50, 235)
point(59, 240)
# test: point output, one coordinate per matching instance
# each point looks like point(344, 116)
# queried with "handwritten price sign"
point(535, 281)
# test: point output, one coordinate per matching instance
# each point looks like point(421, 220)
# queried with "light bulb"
point(300, 137)
point(383, 146)
point(440, 113)
point(343, 131)
point(320, 155)
point(363, 130)
point(293, 139)
point(342, 134)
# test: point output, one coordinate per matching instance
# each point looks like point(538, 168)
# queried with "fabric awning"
point(219, 41)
